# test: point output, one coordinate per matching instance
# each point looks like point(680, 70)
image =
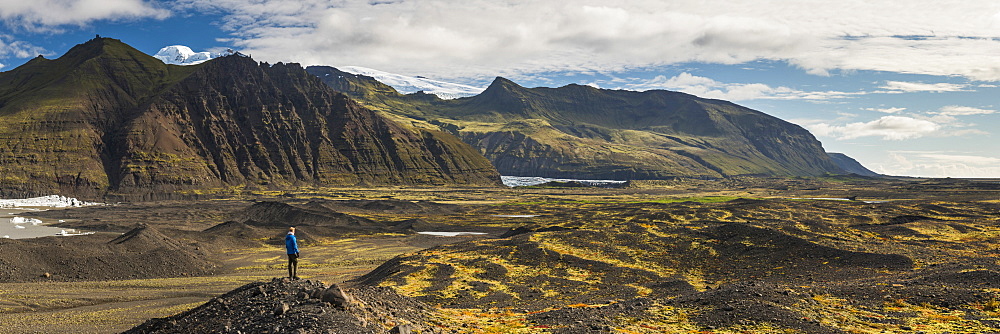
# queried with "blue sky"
point(906, 88)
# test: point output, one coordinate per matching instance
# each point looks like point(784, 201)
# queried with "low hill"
point(301, 306)
point(584, 132)
point(107, 119)
point(143, 252)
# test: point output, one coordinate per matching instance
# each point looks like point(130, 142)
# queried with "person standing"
point(292, 248)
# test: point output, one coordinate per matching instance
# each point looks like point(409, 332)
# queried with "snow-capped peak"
point(407, 84)
point(183, 55)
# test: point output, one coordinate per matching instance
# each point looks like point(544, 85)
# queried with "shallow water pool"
point(451, 234)
point(13, 226)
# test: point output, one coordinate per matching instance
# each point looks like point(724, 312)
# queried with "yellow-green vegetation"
point(708, 243)
point(475, 321)
point(738, 246)
point(707, 199)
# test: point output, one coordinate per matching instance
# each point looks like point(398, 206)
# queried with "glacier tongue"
point(408, 85)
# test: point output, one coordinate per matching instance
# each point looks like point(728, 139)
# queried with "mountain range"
point(405, 85)
point(580, 131)
point(183, 55)
point(108, 119)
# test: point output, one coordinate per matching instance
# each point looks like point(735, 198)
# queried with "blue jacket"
point(291, 244)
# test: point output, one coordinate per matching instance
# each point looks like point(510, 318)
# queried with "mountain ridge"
point(579, 131)
point(106, 118)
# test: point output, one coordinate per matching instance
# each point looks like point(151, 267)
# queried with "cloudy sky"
point(905, 87)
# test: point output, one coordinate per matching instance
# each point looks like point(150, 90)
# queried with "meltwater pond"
point(524, 181)
point(14, 225)
point(451, 234)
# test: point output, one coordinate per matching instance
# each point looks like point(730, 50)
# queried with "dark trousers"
point(293, 265)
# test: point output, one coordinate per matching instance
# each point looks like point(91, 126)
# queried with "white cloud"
point(911, 87)
point(887, 127)
point(19, 49)
point(468, 38)
point(891, 110)
point(938, 164)
point(709, 88)
point(964, 159)
point(964, 111)
point(48, 14)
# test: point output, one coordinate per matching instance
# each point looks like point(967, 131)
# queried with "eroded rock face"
point(108, 118)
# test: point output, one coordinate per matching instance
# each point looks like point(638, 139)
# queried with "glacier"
point(408, 85)
point(183, 55)
point(54, 201)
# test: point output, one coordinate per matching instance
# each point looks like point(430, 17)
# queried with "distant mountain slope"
point(584, 132)
point(850, 165)
point(107, 118)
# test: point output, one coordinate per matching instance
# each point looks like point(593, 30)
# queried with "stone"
point(336, 296)
point(281, 308)
point(401, 329)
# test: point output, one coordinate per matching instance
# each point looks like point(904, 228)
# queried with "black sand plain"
point(749, 255)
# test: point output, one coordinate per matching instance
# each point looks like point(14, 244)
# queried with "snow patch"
point(23, 220)
point(53, 201)
point(63, 233)
point(409, 85)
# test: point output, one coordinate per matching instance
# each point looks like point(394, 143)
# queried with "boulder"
point(336, 296)
point(280, 309)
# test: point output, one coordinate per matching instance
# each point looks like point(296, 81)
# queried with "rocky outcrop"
point(106, 118)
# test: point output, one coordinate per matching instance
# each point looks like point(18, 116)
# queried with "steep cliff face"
point(108, 118)
point(581, 131)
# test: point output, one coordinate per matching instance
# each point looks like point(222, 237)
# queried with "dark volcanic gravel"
point(295, 306)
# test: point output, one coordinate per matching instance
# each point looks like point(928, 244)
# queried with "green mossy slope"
point(581, 131)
